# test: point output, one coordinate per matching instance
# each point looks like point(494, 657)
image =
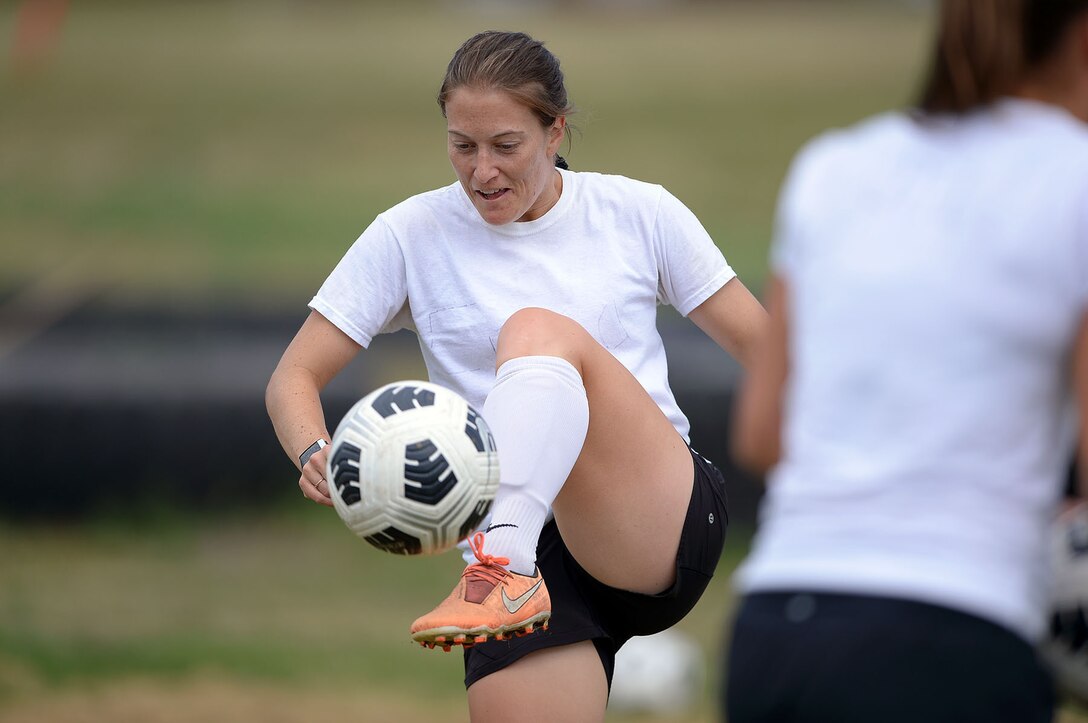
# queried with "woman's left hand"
point(312, 482)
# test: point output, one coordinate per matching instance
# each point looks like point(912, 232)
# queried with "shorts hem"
point(547, 640)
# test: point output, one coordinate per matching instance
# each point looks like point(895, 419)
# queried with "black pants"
point(822, 658)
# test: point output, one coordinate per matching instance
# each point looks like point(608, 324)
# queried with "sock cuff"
point(519, 507)
point(554, 364)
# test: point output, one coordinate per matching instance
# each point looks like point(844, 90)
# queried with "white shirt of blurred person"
point(912, 402)
point(533, 291)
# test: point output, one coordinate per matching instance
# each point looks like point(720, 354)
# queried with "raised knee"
point(534, 320)
point(534, 330)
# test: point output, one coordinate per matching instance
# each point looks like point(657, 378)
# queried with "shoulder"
point(621, 189)
point(1048, 123)
point(440, 203)
point(1049, 135)
point(845, 155)
point(867, 140)
point(628, 200)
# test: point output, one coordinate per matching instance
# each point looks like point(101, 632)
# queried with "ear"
point(555, 134)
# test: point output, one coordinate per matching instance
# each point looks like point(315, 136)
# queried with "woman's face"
point(503, 156)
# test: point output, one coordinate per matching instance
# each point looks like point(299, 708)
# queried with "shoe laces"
point(489, 567)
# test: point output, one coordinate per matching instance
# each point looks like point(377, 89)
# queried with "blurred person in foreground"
point(534, 291)
point(914, 399)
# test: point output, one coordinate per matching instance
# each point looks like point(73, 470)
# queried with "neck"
point(556, 190)
point(1060, 95)
point(1062, 80)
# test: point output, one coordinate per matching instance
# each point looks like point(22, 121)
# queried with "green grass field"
point(283, 616)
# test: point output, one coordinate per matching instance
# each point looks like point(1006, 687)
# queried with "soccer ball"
point(1066, 645)
point(412, 468)
point(662, 674)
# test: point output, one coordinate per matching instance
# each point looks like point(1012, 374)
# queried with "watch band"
point(309, 452)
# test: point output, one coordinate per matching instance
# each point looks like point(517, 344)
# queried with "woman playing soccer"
point(929, 337)
point(533, 290)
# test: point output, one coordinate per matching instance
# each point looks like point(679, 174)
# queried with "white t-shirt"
point(605, 255)
point(937, 274)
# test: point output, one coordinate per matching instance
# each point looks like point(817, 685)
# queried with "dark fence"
point(122, 411)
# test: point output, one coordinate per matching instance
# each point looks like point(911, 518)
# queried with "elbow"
point(271, 393)
point(268, 396)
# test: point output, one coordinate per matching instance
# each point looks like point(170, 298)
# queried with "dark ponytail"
point(984, 48)
point(978, 54)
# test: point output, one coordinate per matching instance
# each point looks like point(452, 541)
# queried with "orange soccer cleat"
point(488, 602)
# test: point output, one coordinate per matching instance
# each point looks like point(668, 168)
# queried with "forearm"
point(294, 405)
point(293, 397)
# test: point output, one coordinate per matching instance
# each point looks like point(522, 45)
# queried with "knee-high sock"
point(539, 414)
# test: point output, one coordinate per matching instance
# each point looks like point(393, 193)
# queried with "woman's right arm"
point(317, 354)
point(757, 422)
point(1080, 385)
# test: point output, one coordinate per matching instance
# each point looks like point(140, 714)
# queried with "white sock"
point(539, 414)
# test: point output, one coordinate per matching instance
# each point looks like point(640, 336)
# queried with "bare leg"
point(623, 505)
point(576, 690)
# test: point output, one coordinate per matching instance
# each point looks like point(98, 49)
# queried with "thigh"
point(623, 507)
point(624, 613)
point(565, 684)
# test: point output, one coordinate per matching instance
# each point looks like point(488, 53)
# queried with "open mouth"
point(492, 195)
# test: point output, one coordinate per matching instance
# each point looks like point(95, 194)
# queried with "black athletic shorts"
point(585, 609)
point(799, 657)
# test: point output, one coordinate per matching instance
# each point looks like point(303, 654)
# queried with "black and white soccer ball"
point(1065, 647)
point(412, 468)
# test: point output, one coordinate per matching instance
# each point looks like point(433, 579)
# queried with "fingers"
point(318, 493)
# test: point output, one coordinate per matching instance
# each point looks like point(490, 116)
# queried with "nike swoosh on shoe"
point(512, 606)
